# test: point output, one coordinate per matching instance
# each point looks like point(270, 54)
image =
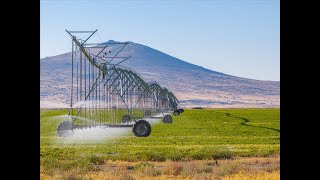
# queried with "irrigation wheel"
point(176, 112)
point(167, 119)
point(64, 128)
point(142, 128)
point(126, 119)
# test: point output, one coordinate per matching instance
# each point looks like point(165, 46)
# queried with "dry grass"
point(237, 168)
point(258, 176)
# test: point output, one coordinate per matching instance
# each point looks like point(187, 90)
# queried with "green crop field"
point(194, 135)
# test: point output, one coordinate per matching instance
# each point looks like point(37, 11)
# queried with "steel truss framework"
point(106, 93)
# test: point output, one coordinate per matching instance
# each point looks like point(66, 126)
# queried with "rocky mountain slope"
point(193, 85)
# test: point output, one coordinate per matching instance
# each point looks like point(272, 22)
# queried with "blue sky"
point(236, 37)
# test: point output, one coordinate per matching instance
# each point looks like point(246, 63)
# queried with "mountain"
point(192, 84)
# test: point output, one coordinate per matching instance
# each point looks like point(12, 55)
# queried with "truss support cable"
point(71, 105)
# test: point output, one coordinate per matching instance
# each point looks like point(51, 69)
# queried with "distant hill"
point(192, 84)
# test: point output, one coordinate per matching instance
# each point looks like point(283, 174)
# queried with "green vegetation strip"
point(195, 134)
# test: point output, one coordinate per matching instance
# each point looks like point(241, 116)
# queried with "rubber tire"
point(176, 112)
point(145, 132)
point(147, 113)
point(64, 128)
point(126, 119)
point(167, 119)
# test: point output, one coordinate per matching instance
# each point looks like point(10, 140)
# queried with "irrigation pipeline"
point(110, 94)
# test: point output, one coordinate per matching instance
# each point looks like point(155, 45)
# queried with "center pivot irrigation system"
point(106, 93)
